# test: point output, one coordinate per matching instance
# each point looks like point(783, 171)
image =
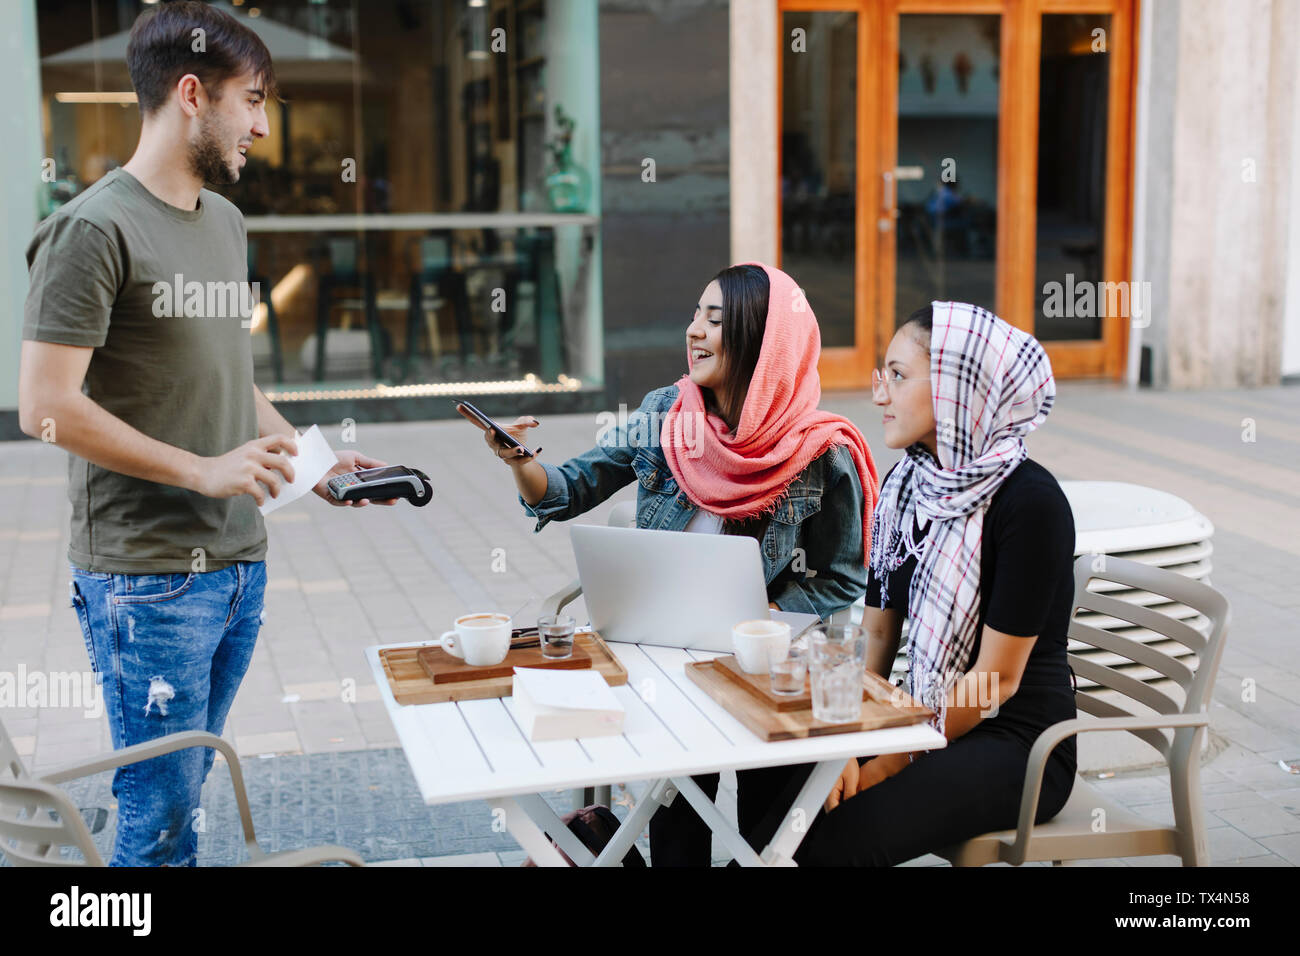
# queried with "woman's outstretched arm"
point(558, 492)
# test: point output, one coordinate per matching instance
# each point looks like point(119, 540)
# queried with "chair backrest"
point(343, 256)
point(1195, 679)
point(623, 515)
point(435, 254)
point(37, 819)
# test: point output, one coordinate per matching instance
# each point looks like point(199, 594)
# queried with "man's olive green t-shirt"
point(160, 294)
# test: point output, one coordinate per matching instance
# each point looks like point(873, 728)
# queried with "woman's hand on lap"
point(881, 768)
point(845, 787)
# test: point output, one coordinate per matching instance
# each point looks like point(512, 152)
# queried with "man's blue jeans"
point(170, 651)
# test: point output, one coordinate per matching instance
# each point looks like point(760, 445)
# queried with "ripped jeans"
point(170, 651)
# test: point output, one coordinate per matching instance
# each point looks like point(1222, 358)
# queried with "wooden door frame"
point(846, 366)
point(1017, 171)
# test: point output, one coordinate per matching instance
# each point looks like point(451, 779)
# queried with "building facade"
point(519, 201)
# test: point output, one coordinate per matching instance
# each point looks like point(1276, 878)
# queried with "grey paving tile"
point(1228, 843)
point(1263, 776)
point(464, 859)
point(1271, 860)
point(1287, 847)
point(1288, 799)
point(1231, 800)
point(1261, 820)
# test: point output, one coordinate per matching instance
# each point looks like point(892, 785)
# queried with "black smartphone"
point(497, 431)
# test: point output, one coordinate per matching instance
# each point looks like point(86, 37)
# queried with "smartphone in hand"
point(487, 424)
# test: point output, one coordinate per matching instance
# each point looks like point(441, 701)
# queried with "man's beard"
point(207, 159)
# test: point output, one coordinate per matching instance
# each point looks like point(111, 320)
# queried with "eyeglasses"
point(885, 379)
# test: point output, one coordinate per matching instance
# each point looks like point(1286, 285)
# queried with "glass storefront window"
point(425, 210)
point(1074, 93)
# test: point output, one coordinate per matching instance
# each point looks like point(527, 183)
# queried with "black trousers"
point(970, 787)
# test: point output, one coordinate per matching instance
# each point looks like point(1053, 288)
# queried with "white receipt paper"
point(314, 459)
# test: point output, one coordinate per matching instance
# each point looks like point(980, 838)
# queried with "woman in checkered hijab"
point(972, 546)
point(989, 385)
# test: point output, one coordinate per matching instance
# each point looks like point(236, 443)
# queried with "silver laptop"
point(675, 588)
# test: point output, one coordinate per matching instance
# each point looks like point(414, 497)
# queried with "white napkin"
point(314, 459)
point(573, 689)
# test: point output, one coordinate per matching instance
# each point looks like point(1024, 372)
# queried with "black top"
point(1026, 588)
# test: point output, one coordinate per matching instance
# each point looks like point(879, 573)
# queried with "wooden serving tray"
point(884, 705)
point(411, 685)
point(760, 685)
point(444, 668)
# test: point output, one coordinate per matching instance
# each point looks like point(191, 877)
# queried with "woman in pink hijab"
point(737, 445)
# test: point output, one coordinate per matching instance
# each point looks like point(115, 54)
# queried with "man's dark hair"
point(162, 49)
point(745, 291)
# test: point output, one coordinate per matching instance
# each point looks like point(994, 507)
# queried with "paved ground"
point(326, 769)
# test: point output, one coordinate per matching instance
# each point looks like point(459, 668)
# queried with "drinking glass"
point(789, 673)
point(556, 634)
point(837, 661)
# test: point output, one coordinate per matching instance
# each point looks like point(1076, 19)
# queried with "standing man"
point(172, 447)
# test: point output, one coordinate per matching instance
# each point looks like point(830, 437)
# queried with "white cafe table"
point(474, 750)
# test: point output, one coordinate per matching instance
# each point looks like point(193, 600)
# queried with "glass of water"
point(837, 660)
point(556, 634)
point(789, 673)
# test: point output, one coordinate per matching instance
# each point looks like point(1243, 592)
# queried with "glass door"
point(972, 150)
point(938, 220)
point(1078, 252)
point(1005, 169)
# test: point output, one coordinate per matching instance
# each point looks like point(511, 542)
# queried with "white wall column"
point(1231, 201)
point(754, 136)
point(1291, 319)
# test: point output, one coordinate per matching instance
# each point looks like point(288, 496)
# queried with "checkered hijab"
point(991, 384)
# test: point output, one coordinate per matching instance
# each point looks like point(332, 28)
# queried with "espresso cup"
point(757, 643)
point(480, 639)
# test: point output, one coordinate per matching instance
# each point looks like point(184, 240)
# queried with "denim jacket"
point(811, 549)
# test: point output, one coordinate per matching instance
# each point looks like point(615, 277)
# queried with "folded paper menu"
point(558, 704)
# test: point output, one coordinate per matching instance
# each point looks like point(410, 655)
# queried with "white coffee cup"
point(480, 639)
point(757, 643)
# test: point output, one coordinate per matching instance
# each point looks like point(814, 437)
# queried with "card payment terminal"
point(380, 484)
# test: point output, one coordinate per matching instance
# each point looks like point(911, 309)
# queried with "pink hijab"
point(781, 429)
